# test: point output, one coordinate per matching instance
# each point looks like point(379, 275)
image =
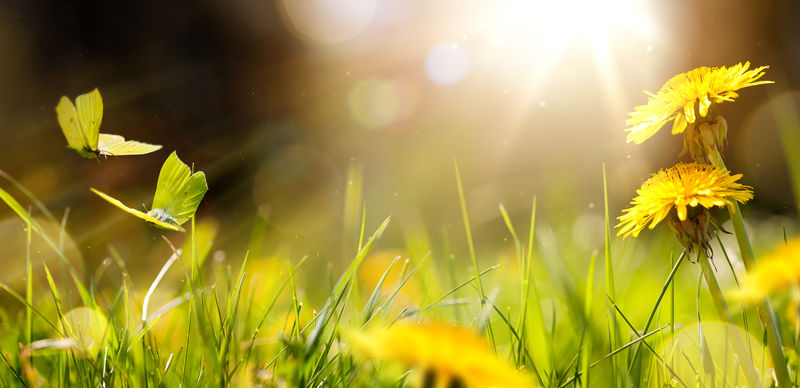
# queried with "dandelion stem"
point(765, 311)
point(746, 362)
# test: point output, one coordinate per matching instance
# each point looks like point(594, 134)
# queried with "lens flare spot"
point(375, 103)
point(324, 22)
point(447, 63)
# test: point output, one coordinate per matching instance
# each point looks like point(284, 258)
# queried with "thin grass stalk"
point(672, 304)
point(586, 336)
point(60, 313)
point(567, 381)
point(229, 323)
point(28, 287)
point(706, 360)
point(468, 230)
point(17, 208)
point(614, 331)
point(765, 311)
point(722, 308)
point(518, 356)
point(635, 361)
point(655, 354)
point(471, 246)
point(407, 313)
point(736, 279)
point(529, 282)
point(192, 302)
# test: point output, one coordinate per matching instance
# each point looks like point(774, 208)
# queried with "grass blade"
point(617, 351)
point(586, 348)
point(635, 361)
point(471, 246)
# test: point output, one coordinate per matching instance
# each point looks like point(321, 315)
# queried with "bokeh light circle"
point(89, 328)
point(375, 103)
point(713, 341)
point(327, 21)
point(14, 243)
point(588, 231)
point(447, 63)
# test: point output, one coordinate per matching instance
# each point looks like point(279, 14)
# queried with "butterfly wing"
point(105, 141)
point(137, 213)
point(173, 176)
point(183, 207)
point(68, 121)
point(90, 113)
point(179, 192)
point(116, 145)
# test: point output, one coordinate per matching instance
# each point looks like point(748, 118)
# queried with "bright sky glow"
point(531, 38)
point(566, 20)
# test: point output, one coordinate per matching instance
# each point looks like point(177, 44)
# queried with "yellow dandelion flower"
point(448, 353)
point(774, 272)
point(688, 94)
point(682, 186)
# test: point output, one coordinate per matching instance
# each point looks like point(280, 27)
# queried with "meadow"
point(370, 225)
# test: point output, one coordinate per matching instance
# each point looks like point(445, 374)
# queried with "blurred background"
point(299, 111)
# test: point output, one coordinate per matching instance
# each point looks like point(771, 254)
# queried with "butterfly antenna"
point(145, 208)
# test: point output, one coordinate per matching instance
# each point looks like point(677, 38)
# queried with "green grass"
point(249, 319)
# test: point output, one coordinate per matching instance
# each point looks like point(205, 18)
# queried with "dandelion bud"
point(708, 137)
point(722, 128)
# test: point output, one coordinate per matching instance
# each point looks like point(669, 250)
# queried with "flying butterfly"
point(178, 194)
point(81, 126)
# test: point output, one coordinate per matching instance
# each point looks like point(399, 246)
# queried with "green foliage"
point(250, 321)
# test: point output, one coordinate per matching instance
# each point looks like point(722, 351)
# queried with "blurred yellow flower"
point(375, 266)
point(688, 94)
point(447, 353)
point(776, 271)
point(684, 185)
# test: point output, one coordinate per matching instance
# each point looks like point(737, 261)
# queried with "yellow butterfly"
point(81, 127)
point(178, 194)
